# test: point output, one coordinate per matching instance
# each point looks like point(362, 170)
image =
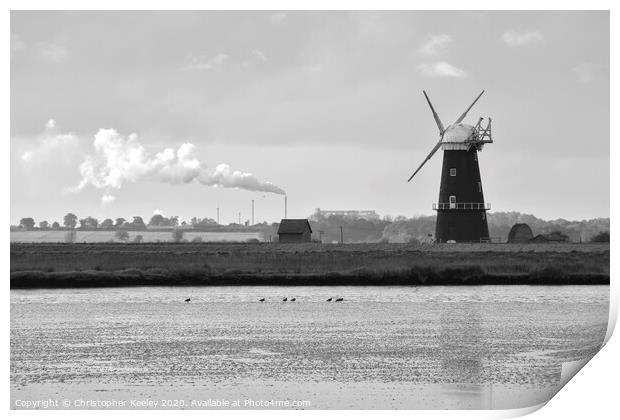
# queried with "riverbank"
point(214, 264)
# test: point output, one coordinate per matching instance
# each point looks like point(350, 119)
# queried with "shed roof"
point(294, 226)
point(550, 237)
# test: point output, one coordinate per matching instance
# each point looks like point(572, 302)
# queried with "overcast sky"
point(124, 113)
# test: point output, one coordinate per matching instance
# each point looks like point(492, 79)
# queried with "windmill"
point(461, 210)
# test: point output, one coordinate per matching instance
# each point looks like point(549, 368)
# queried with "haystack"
point(520, 234)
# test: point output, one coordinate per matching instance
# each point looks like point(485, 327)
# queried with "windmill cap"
point(459, 133)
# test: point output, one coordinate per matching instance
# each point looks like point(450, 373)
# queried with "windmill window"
point(479, 186)
point(453, 201)
point(452, 171)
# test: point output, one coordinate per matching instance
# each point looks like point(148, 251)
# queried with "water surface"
point(382, 347)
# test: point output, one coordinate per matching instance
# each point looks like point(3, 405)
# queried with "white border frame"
point(593, 393)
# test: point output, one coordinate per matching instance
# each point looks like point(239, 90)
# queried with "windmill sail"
point(462, 117)
point(430, 155)
point(442, 130)
point(437, 120)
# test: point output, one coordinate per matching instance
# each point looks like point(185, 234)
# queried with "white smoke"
point(51, 144)
point(225, 177)
point(118, 160)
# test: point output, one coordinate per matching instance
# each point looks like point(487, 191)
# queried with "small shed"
point(294, 230)
point(520, 233)
point(550, 237)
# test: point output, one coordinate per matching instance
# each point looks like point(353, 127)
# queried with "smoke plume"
point(118, 160)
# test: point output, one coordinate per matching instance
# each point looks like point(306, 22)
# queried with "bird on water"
point(339, 299)
point(329, 300)
point(284, 300)
point(188, 300)
point(293, 300)
point(261, 300)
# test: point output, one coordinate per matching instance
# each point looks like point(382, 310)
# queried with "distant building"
point(357, 214)
point(550, 237)
point(294, 230)
point(520, 233)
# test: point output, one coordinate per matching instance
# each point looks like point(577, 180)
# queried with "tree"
point(107, 224)
point(177, 235)
point(207, 222)
point(70, 220)
point(197, 239)
point(120, 222)
point(138, 223)
point(121, 235)
point(27, 223)
point(137, 239)
point(174, 221)
point(44, 225)
point(89, 223)
point(601, 237)
point(55, 225)
point(403, 231)
point(159, 220)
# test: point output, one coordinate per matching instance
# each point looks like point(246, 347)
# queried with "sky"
point(118, 114)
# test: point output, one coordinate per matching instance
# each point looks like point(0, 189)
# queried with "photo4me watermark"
point(210, 403)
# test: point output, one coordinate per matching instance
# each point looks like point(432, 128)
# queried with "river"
point(381, 347)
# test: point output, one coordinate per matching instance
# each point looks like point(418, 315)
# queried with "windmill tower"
point(461, 210)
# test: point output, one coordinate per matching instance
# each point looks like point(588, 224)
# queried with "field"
point(114, 264)
point(57, 236)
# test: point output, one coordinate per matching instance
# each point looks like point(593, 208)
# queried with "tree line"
point(327, 229)
point(421, 228)
point(71, 221)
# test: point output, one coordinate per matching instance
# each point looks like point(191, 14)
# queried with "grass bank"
point(115, 265)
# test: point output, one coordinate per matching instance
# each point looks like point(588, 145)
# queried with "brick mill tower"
point(461, 209)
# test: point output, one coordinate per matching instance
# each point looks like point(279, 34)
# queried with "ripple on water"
point(517, 335)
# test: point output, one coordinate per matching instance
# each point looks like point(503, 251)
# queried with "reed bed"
point(99, 264)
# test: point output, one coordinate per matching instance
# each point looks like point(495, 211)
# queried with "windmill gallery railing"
point(461, 206)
